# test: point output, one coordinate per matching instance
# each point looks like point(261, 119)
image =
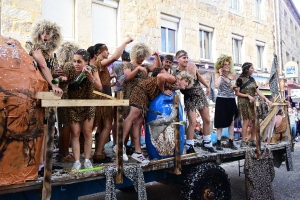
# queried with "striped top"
point(225, 90)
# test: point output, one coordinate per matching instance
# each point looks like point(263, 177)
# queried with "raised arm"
point(117, 54)
point(157, 62)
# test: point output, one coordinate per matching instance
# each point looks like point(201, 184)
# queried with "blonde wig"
point(65, 52)
point(187, 76)
point(220, 62)
point(140, 50)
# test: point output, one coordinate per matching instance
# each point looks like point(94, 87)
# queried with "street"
point(285, 185)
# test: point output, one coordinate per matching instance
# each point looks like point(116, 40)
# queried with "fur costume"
point(66, 52)
point(39, 28)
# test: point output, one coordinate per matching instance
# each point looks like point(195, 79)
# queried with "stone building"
point(288, 43)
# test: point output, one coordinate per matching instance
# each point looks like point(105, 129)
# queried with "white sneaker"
point(140, 158)
point(76, 166)
point(125, 157)
point(88, 164)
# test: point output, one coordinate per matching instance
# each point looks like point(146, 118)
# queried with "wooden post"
point(46, 195)
point(289, 127)
point(257, 132)
point(177, 138)
point(119, 121)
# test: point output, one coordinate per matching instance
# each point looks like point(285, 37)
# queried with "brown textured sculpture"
point(21, 116)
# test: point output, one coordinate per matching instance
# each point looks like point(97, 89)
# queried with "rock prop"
point(21, 116)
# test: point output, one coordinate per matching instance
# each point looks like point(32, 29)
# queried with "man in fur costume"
point(46, 37)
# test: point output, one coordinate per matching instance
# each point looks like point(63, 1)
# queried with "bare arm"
point(131, 74)
point(162, 78)
point(39, 58)
point(218, 79)
point(117, 54)
point(95, 80)
point(157, 62)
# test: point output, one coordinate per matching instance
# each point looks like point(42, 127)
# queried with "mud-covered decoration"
point(259, 175)
point(21, 116)
point(134, 172)
point(289, 160)
point(162, 133)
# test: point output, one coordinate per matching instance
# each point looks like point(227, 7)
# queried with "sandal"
point(69, 158)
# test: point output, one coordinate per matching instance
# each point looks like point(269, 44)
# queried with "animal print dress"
point(194, 97)
point(103, 112)
point(245, 108)
point(130, 85)
point(85, 91)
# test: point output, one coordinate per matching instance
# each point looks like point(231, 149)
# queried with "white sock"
point(41, 166)
point(77, 161)
point(86, 160)
point(190, 142)
point(207, 138)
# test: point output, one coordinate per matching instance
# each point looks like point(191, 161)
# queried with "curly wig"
point(220, 62)
point(187, 76)
point(46, 25)
point(65, 52)
point(140, 50)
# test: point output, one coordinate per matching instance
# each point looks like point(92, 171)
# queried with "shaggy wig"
point(220, 63)
point(65, 52)
point(140, 50)
point(39, 28)
point(187, 76)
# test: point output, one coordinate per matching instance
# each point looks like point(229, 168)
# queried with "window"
point(286, 22)
point(169, 27)
point(237, 49)
point(258, 8)
point(287, 56)
point(205, 35)
point(103, 31)
point(61, 12)
point(260, 54)
point(235, 5)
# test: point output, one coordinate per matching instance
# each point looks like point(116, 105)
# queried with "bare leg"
point(192, 124)
point(244, 129)
point(75, 133)
point(253, 134)
point(231, 130)
point(206, 120)
point(219, 133)
point(87, 132)
point(136, 133)
point(103, 137)
point(127, 124)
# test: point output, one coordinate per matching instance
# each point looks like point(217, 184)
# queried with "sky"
point(297, 4)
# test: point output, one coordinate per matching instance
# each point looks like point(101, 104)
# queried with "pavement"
point(286, 185)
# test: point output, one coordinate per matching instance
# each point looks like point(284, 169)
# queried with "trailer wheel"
point(207, 181)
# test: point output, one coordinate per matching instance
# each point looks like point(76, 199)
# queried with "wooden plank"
point(257, 133)
point(82, 102)
point(171, 159)
point(45, 95)
point(177, 163)
point(104, 95)
point(119, 156)
point(280, 104)
point(46, 193)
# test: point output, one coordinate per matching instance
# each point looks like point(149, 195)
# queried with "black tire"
point(207, 181)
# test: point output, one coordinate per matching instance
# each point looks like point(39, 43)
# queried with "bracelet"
point(93, 81)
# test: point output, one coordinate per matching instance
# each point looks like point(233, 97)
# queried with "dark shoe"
point(209, 149)
point(101, 158)
point(243, 145)
point(129, 150)
point(252, 143)
point(231, 145)
point(219, 145)
point(190, 149)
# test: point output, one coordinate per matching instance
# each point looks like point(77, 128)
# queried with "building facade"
point(205, 28)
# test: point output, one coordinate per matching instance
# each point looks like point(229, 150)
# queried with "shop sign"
point(291, 70)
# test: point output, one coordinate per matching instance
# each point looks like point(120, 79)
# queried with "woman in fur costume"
point(104, 114)
point(136, 72)
point(65, 55)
